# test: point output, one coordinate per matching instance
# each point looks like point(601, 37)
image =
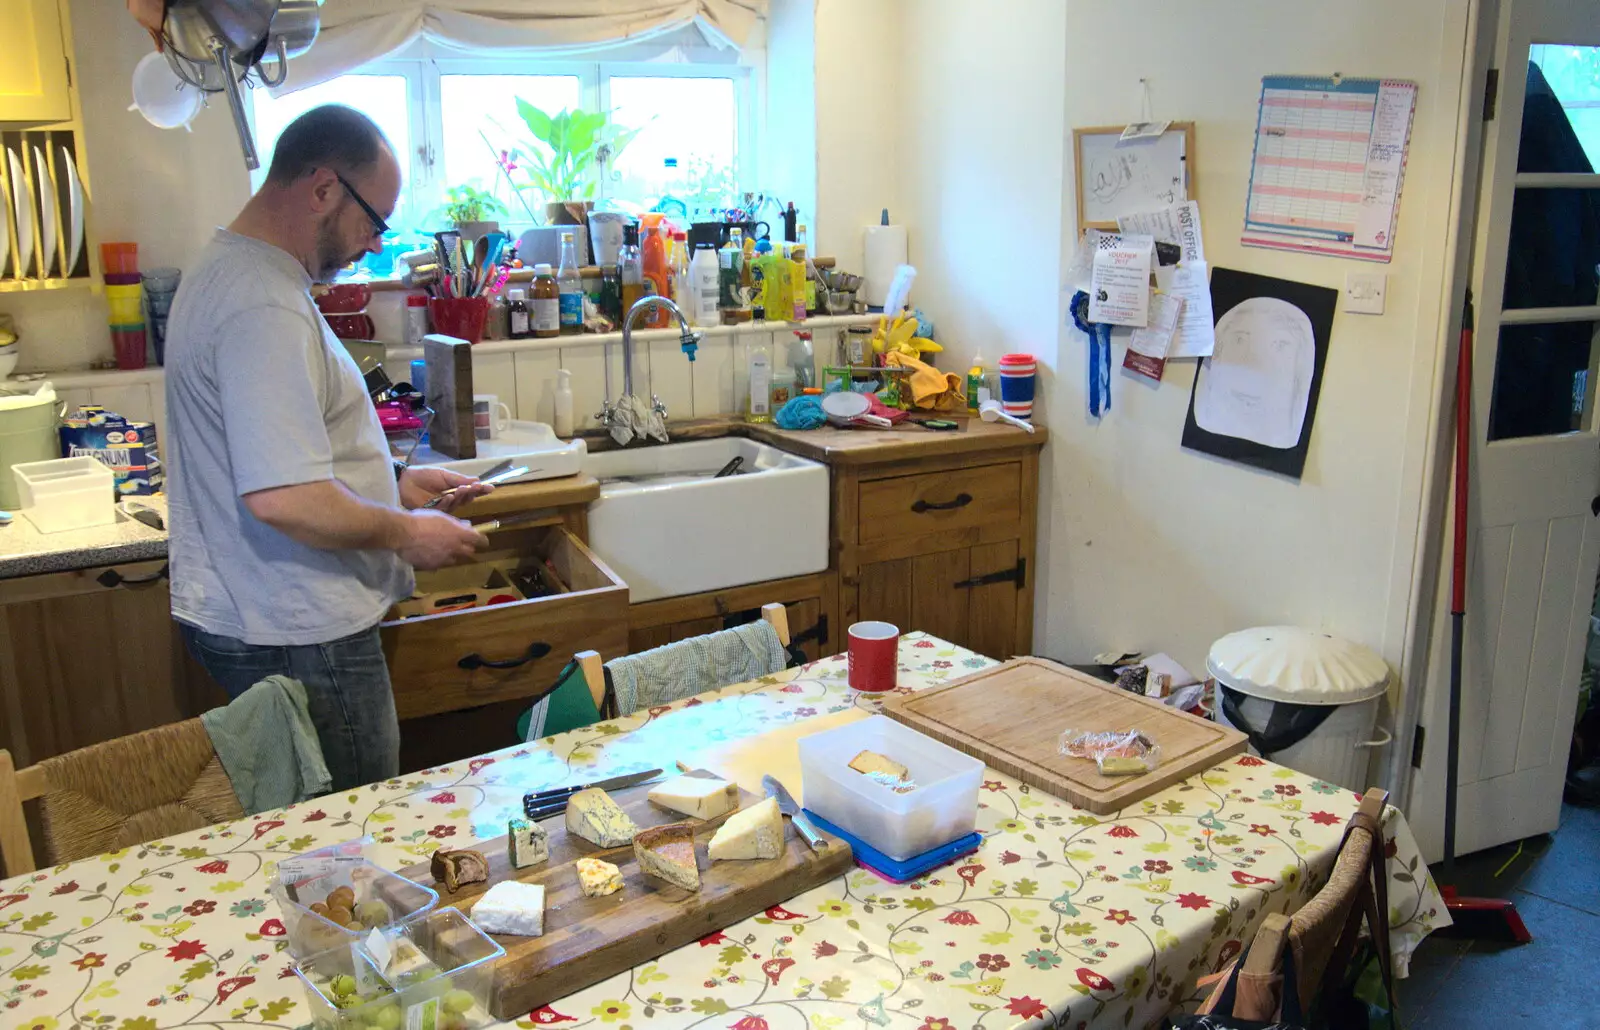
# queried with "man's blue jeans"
point(347, 690)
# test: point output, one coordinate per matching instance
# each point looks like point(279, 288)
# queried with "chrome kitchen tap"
point(627, 418)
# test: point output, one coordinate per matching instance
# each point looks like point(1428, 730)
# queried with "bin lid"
point(1299, 666)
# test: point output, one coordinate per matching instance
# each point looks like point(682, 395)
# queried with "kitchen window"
point(450, 117)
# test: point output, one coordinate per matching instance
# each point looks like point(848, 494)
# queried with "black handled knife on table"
point(546, 803)
point(787, 806)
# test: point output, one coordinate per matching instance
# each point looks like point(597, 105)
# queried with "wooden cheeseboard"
point(1012, 717)
point(587, 940)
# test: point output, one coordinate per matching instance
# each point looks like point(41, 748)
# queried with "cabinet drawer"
point(937, 501)
point(463, 659)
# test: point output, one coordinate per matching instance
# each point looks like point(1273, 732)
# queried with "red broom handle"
point(1458, 572)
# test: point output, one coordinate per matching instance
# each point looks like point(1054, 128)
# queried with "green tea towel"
point(268, 746)
point(688, 667)
point(569, 706)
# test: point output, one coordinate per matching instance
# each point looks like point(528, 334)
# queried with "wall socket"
point(1363, 292)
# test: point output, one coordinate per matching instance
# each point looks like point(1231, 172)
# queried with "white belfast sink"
point(668, 528)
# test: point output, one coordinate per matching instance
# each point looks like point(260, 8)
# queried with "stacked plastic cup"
point(125, 297)
point(160, 285)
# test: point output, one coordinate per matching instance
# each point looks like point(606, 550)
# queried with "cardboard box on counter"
point(129, 448)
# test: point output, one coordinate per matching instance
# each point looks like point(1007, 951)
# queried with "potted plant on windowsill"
point(469, 207)
point(557, 161)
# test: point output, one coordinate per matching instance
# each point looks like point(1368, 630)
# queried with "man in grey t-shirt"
point(292, 534)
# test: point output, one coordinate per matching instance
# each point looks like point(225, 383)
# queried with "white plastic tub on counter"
point(67, 493)
point(942, 807)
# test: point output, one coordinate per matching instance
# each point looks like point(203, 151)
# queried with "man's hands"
point(434, 540)
point(420, 485)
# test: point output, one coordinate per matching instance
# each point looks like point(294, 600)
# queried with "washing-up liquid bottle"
point(974, 383)
point(563, 419)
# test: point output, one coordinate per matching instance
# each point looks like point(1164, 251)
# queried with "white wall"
point(1143, 544)
point(1153, 546)
point(165, 190)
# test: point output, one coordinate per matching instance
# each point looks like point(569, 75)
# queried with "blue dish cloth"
point(268, 745)
point(803, 412)
point(683, 669)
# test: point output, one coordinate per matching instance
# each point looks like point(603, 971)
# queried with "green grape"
point(343, 985)
point(372, 913)
point(388, 1017)
point(457, 1001)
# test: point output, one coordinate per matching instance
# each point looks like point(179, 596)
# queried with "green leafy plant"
point(469, 204)
point(564, 147)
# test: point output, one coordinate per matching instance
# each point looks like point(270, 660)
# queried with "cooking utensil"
point(510, 521)
point(549, 802)
point(731, 468)
point(145, 514)
point(991, 411)
point(786, 805)
point(493, 480)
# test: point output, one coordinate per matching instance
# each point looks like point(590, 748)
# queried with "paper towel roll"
point(885, 252)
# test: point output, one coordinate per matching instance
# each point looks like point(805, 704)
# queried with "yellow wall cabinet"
point(35, 80)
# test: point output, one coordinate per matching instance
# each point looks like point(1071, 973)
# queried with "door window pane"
point(687, 142)
point(475, 106)
point(1543, 380)
point(1562, 110)
point(380, 97)
point(1553, 256)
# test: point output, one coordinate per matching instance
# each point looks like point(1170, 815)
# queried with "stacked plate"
point(42, 207)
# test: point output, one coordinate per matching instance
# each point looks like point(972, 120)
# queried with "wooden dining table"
point(1061, 916)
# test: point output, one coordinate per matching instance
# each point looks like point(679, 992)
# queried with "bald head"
point(330, 166)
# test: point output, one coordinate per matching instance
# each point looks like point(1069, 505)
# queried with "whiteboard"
point(1116, 178)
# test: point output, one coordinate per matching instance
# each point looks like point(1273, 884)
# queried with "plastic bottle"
point(563, 424)
point(758, 405)
point(570, 286)
point(730, 259)
point(974, 383)
point(521, 326)
point(703, 285)
point(630, 268)
point(809, 287)
point(782, 384)
point(653, 249)
point(680, 271)
point(546, 303)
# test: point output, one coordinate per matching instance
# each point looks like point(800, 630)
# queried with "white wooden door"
point(1535, 464)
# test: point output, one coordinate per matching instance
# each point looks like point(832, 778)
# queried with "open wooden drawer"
point(463, 659)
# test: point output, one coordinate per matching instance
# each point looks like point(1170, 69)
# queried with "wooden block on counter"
point(449, 362)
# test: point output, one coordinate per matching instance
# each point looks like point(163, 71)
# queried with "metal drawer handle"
point(961, 501)
point(111, 578)
point(477, 661)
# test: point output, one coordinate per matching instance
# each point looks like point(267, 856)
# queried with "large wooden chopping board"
point(1012, 717)
point(587, 940)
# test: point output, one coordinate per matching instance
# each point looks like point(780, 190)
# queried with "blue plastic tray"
point(894, 870)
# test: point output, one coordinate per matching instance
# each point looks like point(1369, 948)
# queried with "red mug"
point(873, 656)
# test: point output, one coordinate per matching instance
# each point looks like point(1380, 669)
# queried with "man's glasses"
point(379, 226)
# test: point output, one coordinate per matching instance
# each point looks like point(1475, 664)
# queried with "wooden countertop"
point(861, 446)
point(544, 493)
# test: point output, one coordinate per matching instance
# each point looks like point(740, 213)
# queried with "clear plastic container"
point(401, 901)
point(440, 977)
point(942, 806)
point(67, 493)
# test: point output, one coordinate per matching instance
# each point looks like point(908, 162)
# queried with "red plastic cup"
point(461, 317)
point(130, 347)
point(119, 259)
point(873, 656)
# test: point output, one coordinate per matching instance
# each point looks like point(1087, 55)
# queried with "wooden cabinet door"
point(89, 664)
point(938, 606)
point(926, 593)
point(33, 68)
point(992, 629)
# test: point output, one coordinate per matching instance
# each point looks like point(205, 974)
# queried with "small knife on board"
point(786, 805)
point(546, 803)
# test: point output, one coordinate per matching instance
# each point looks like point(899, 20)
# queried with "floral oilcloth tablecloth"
point(1061, 916)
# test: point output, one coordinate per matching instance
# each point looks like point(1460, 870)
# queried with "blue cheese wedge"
point(529, 843)
point(511, 907)
point(597, 878)
point(592, 815)
point(754, 832)
point(702, 797)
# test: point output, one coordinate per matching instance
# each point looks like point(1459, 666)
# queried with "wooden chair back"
point(594, 673)
point(114, 794)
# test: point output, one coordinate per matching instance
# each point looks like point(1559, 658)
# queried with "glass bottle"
point(570, 286)
point(630, 268)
